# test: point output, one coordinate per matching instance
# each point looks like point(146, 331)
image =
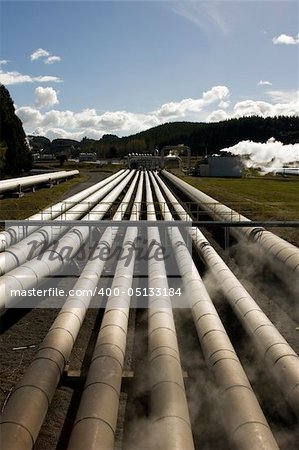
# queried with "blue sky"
point(87, 68)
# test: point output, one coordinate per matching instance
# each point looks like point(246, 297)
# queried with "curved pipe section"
point(27, 407)
point(37, 242)
point(283, 256)
point(95, 423)
point(34, 180)
point(13, 234)
point(168, 397)
point(281, 359)
point(246, 425)
point(33, 272)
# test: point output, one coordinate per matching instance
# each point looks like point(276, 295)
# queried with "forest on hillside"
point(202, 138)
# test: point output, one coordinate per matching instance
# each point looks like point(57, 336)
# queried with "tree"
point(18, 156)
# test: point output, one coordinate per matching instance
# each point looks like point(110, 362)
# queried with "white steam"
point(268, 157)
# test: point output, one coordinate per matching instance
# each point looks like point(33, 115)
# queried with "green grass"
point(259, 198)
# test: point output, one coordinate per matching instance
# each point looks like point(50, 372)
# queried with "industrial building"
point(219, 166)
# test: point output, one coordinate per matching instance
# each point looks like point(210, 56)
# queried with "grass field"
point(261, 198)
point(32, 202)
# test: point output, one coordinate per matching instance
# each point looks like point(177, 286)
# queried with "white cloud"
point(218, 116)
point(52, 59)
point(39, 53)
point(212, 106)
point(205, 15)
point(190, 105)
point(286, 39)
point(3, 62)
point(264, 83)
point(46, 56)
point(284, 96)
point(14, 77)
point(267, 156)
point(45, 97)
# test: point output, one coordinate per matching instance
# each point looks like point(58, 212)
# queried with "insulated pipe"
point(13, 234)
point(283, 256)
point(33, 180)
point(281, 359)
point(37, 242)
point(168, 397)
point(246, 425)
point(30, 274)
point(26, 409)
point(96, 419)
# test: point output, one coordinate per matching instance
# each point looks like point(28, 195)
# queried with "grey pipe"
point(246, 425)
point(168, 397)
point(96, 419)
point(33, 180)
point(281, 359)
point(282, 256)
point(14, 234)
point(37, 242)
point(26, 409)
point(34, 271)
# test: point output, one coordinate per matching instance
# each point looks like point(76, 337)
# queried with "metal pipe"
point(282, 256)
point(281, 359)
point(168, 397)
point(96, 419)
point(30, 274)
point(245, 423)
point(33, 180)
point(26, 409)
point(37, 242)
point(14, 234)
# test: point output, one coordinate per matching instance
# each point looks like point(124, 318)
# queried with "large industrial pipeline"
point(246, 425)
point(168, 397)
point(281, 359)
point(29, 402)
point(14, 234)
point(30, 274)
point(37, 242)
point(281, 255)
point(35, 180)
point(96, 419)
point(95, 423)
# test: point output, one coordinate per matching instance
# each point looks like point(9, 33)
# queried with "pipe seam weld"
point(20, 425)
point(116, 309)
point(34, 387)
point(104, 383)
point(221, 359)
point(251, 422)
point(249, 388)
point(206, 314)
point(111, 344)
point(165, 355)
point(64, 329)
point(162, 328)
point(113, 325)
point(253, 310)
point(276, 343)
point(211, 331)
point(164, 346)
point(222, 350)
point(153, 386)
point(69, 312)
point(285, 356)
point(95, 418)
point(174, 416)
point(107, 356)
point(52, 360)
